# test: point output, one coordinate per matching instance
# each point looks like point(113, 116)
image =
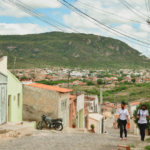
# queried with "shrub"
point(92, 126)
point(147, 147)
point(133, 80)
point(133, 93)
point(99, 81)
point(24, 77)
point(90, 83)
point(135, 113)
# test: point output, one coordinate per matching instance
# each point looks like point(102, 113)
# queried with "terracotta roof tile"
point(53, 88)
point(135, 103)
point(72, 96)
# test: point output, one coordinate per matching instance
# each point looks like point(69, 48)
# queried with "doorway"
point(3, 104)
point(63, 111)
point(9, 107)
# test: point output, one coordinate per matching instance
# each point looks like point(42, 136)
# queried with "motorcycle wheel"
point(58, 126)
point(40, 125)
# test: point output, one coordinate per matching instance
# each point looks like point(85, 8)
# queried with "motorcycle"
point(57, 124)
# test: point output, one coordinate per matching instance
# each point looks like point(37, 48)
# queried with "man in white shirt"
point(123, 115)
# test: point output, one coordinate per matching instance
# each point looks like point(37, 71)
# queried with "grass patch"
point(147, 147)
point(131, 145)
point(148, 140)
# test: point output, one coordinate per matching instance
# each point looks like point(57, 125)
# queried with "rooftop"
point(72, 96)
point(53, 88)
point(95, 116)
point(135, 103)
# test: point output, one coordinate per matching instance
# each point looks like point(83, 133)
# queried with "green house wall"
point(14, 96)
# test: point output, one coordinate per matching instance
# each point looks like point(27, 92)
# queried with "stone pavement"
point(45, 140)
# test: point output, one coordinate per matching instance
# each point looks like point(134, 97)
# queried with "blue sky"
point(15, 21)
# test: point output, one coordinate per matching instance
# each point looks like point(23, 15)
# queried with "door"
point(81, 119)
point(64, 111)
point(100, 127)
point(3, 104)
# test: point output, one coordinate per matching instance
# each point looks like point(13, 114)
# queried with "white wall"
point(64, 96)
point(3, 65)
point(132, 109)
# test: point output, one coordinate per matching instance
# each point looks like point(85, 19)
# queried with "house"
point(133, 127)
point(15, 98)
point(3, 90)
point(12, 101)
point(80, 111)
point(97, 120)
point(92, 101)
point(39, 99)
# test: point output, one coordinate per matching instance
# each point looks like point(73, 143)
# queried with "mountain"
point(69, 50)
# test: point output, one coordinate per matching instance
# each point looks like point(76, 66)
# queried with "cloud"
point(130, 28)
point(21, 29)
point(42, 4)
point(9, 10)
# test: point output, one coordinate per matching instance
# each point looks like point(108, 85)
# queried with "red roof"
point(72, 96)
point(135, 103)
point(53, 88)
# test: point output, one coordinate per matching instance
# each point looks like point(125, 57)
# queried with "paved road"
point(65, 141)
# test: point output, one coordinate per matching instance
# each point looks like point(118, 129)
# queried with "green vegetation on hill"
point(119, 93)
point(69, 50)
point(55, 82)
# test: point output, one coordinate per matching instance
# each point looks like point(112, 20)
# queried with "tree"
point(133, 80)
point(24, 77)
point(99, 81)
point(84, 80)
point(99, 76)
point(90, 83)
point(135, 113)
point(120, 78)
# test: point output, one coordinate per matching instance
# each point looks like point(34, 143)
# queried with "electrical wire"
point(73, 8)
point(118, 20)
point(38, 15)
point(110, 13)
point(128, 6)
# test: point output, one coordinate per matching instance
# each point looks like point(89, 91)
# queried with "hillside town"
point(54, 74)
point(74, 75)
point(24, 100)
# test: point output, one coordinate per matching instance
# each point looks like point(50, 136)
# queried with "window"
point(18, 100)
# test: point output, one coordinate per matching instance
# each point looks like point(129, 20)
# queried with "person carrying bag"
point(142, 122)
point(123, 115)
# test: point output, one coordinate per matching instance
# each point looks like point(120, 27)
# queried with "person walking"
point(142, 122)
point(123, 115)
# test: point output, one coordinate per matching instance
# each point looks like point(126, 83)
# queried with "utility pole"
point(68, 79)
point(14, 66)
point(114, 104)
point(101, 100)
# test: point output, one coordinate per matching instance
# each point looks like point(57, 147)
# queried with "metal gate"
point(64, 111)
point(3, 104)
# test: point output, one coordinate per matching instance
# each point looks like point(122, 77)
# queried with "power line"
point(39, 15)
point(73, 8)
point(128, 6)
point(122, 22)
point(110, 13)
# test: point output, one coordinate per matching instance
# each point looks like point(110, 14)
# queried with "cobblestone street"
point(66, 141)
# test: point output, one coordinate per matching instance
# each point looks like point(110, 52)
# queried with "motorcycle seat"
point(59, 119)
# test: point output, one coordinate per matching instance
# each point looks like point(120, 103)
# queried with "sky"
point(15, 21)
